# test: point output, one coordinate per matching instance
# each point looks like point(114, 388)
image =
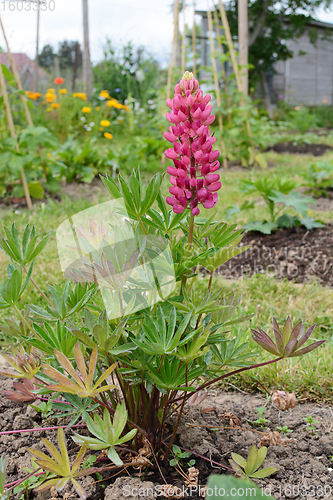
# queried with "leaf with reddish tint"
point(288, 341)
point(82, 385)
point(59, 464)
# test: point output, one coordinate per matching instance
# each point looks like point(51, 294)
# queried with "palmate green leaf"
point(59, 464)
point(130, 191)
point(229, 485)
point(156, 338)
point(172, 375)
point(108, 434)
point(295, 200)
point(25, 252)
point(46, 339)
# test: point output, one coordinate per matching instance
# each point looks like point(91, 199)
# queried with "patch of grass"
point(262, 295)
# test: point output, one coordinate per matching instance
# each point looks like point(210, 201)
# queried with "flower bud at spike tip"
point(192, 178)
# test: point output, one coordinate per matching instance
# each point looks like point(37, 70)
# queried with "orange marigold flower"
point(107, 135)
point(55, 105)
point(105, 123)
point(59, 80)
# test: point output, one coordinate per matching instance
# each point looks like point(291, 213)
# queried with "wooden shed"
point(307, 77)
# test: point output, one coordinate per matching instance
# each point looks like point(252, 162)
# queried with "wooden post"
point(76, 57)
point(243, 43)
point(184, 40)
point(87, 73)
point(236, 69)
point(217, 86)
point(17, 78)
point(37, 49)
point(173, 55)
point(194, 42)
point(13, 134)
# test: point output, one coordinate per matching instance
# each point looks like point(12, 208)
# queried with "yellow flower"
point(80, 95)
point(126, 108)
point(32, 95)
point(49, 97)
point(55, 105)
point(86, 110)
point(44, 102)
point(105, 94)
point(63, 91)
point(101, 129)
point(105, 123)
point(49, 109)
point(51, 91)
point(309, 212)
point(121, 121)
point(98, 108)
point(107, 135)
point(49, 155)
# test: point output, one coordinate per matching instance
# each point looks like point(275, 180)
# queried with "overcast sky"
point(145, 22)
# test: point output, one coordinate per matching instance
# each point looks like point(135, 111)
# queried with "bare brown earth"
point(305, 469)
point(295, 254)
point(294, 148)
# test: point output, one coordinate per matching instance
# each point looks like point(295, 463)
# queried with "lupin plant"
point(126, 370)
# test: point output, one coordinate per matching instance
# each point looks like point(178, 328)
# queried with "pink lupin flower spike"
point(192, 176)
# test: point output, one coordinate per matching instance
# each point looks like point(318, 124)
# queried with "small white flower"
point(92, 124)
point(88, 129)
point(83, 119)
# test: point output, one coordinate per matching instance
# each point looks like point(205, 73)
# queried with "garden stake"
point(173, 55)
point(13, 134)
point(194, 41)
point(221, 50)
point(217, 86)
point(184, 40)
point(17, 78)
point(236, 70)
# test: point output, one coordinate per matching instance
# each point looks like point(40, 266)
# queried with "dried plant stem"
point(13, 134)
point(236, 70)
point(37, 287)
point(217, 86)
point(22, 317)
point(40, 429)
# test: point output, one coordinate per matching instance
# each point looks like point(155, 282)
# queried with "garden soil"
point(305, 470)
point(294, 148)
point(295, 254)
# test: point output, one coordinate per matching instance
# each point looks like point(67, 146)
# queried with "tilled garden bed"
point(295, 254)
point(305, 469)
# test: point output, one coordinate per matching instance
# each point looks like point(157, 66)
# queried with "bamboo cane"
point(217, 86)
point(17, 78)
point(173, 55)
point(220, 48)
point(13, 134)
point(194, 41)
point(236, 69)
point(184, 40)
